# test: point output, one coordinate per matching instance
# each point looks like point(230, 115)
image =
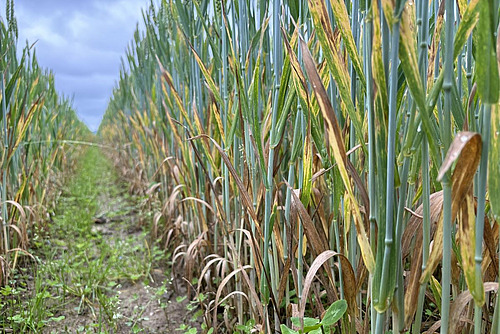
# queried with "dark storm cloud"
point(82, 41)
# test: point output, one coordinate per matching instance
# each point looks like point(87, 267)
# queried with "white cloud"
point(82, 41)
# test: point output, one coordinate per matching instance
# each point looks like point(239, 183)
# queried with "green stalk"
point(5, 167)
point(288, 196)
point(423, 35)
point(446, 135)
point(372, 187)
point(399, 315)
point(300, 257)
point(301, 120)
point(225, 114)
point(391, 157)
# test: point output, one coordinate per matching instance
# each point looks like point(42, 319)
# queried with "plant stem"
point(391, 140)
point(446, 135)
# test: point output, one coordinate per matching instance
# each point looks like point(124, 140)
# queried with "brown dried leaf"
point(348, 278)
point(458, 305)
point(466, 150)
point(245, 197)
point(490, 258)
point(315, 236)
point(219, 291)
point(337, 144)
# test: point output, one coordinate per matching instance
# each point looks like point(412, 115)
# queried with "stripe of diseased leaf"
point(438, 26)
point(388, 7)
point(219, 122)
point(409, 62)
point(23, 125)
point(172, 124)
point(300, 85)
point(168, 78)
point(466, 235)
point(467, 24)
point(494, 162)
point(305, 195)
point(462, 5)
point(339, 154)
point(342, 21)
point(298, 75)
point(334, 60)
point(378, 64)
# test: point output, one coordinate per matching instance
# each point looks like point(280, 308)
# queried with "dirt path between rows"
point(98, 271)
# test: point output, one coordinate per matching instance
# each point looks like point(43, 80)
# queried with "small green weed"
point(315, 326)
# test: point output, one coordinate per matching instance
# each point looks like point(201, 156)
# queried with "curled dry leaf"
point(219, 291)
point(314, 235)
point(208, 206)
point(458, 306)
point(490, 259)
point(19, 208)
point(348, 278)
point(253, 293)
point(245, 197)
point(414, 230)
point(466, 150)
point(216, 258)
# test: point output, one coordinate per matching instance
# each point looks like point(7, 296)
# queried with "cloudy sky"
point(82, 41)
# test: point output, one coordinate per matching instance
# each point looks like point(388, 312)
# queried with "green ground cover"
point(91, 277)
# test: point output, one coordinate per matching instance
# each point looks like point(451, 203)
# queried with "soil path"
point(98, 271)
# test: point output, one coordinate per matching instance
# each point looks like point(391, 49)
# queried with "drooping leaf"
point(337, 144)
point(461, 301)
point(466, 151)
point(349, 284)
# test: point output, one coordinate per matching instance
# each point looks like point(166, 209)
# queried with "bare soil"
point(146, 302)
point(140, 308)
